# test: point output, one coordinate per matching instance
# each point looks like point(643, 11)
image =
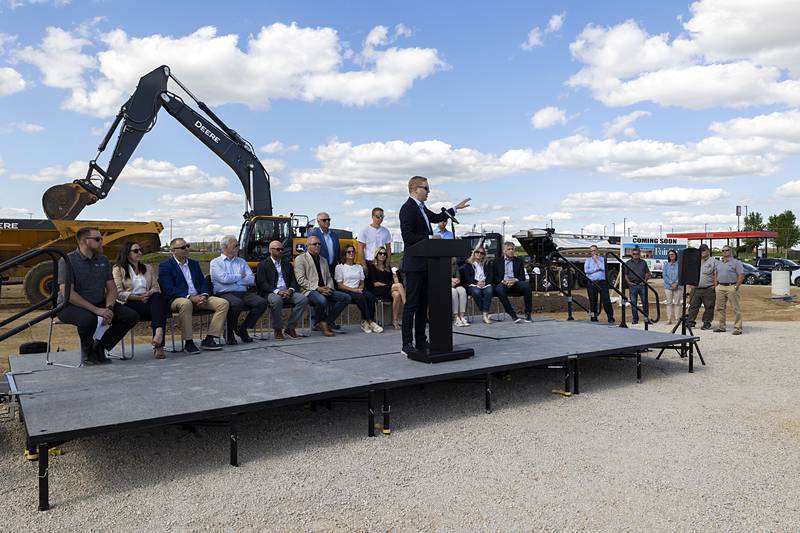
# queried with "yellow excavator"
point(63, 203)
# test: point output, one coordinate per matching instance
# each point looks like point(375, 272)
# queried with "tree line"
point(784, 224)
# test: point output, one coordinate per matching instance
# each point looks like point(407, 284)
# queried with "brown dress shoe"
point(325, 329)
point(292, 333)
point(279, 335)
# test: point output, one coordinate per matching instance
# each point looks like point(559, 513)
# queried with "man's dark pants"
point(124, 320)
point(520, 288)
point(239, 301)
point(600, 291)
point(706, 296)
point(640, 290)
point(415, 311)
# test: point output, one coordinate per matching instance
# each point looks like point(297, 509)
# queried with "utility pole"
point(614, 228)
point(604, 230)
point(738, 227)
point(170, 230)
point(660, 231)
point(504, 231)
point(624, 223)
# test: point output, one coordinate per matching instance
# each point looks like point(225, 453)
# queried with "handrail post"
point(569, 295)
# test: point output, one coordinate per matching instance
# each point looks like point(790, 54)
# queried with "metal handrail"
point(570, 269)
point(646, 312)
point(55, 254)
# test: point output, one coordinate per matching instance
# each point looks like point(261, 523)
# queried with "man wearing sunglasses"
point(415, 225)
point(728, 277)
point(185, 289)
point(329, 247)
point(276, 282)
point(314, 279)
point(373, 237)
point(92, 300)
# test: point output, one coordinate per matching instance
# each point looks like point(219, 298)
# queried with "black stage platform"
point(60, 404)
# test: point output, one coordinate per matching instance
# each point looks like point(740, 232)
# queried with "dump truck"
point(17, 236)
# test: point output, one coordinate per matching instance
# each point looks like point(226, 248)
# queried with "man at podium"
point(415, 225)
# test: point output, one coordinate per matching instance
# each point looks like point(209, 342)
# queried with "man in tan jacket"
point(315, 281)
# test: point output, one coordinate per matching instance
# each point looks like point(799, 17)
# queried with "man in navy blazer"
point(185, 289)
point(508, 274)
point(328, 239)
point(415, 225)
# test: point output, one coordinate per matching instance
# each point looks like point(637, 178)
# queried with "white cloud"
point(11, 81)
point(534, 39)
point(548, 116)
point(211, 199)
point(279, 62)
point(277, 147)
point(14, 212)
point(790, 189)
point(2, 166)
point(712, 66)
point(668, 197)
point(555, 23)
point(556, 216)
point(778, 126)
point(24, 127)
point(6, 39)
point(348, 202)
point(14, 4)
point(139, 171)
point(401, 30)
point(623, 124)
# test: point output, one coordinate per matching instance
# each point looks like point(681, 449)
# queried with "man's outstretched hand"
point(464, 203)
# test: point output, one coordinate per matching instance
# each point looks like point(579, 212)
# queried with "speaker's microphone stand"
point(683, 323)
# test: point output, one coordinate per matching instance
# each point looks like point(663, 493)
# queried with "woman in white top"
point(137, 288)
point(478, 279)
point(349, 277)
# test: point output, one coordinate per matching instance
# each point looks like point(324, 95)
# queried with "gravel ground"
point(716, 450)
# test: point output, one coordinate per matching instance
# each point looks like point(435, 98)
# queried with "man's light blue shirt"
point(595, 269)
point(226, 274)
point(444, 234)
point(328, 242)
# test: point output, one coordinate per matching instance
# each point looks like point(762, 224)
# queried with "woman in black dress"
point(382, 281)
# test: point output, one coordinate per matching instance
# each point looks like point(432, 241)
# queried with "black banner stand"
point(439, 253)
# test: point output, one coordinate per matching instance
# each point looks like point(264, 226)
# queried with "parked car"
point(776, 263)
point(795, 279)
point(754, 276)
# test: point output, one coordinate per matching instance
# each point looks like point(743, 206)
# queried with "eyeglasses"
point(381, 253)
point(184, 247)
point(424, 187)
point(313, 244)
point(324, 220)
point(276, 249)
point(480, 253)
point(726, 249)
point(380, 215)
point(95, 239)
point(350, 252)
point(136, 250)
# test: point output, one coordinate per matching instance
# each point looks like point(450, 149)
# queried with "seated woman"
point(459, 295)
point(382, 281)
point(477, 278)
point(137, 288)
point(349, 278)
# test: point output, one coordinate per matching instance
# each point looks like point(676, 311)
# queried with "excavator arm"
point(138, 116)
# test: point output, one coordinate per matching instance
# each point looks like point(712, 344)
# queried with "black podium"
point(439, 253)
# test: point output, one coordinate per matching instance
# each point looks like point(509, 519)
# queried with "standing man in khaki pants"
point(728, 278)
point(185, 289)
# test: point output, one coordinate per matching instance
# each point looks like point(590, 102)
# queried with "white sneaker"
point(375, 327)
point(365, 327)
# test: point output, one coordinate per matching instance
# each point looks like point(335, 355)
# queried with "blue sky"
point(666, 115)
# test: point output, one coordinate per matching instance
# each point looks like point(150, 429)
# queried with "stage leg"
point(371, 413)
point(567, 376)
point(638, 367)
point(387, 430)
point(488, 386)
point(234, 437)
point(575, 383)
point(44, 477)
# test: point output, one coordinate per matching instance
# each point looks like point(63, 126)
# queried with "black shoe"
point(705, 326)
point(691, 324)
point(242, 332)
point(612, 321)
point(89, 362)
point(408, 349)
point(593, 319)
point(99, 354)
point(337, 327)
point(231, 340)
point(635, 322)
point(528, 317)
point(190, 347)
point(210, 343)
point(422, 346)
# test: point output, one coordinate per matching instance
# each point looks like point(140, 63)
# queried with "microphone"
point(451, 217)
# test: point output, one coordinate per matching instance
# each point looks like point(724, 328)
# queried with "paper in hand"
point(101, 329)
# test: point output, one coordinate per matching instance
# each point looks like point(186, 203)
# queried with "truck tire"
point(39, 282)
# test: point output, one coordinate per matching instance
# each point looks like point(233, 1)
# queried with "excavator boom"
point(138, 116)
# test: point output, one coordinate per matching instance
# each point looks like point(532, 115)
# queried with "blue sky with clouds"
point(664, 114)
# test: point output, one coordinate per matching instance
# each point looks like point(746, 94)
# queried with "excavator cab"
point(258, 231)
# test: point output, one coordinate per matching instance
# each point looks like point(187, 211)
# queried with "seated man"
point(184, 289)
point(315, 281)
point(231, 276)
point(509, 273)
point(93, 296)
point(275, 281)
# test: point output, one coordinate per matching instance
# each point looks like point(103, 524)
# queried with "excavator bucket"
point(65, 202)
